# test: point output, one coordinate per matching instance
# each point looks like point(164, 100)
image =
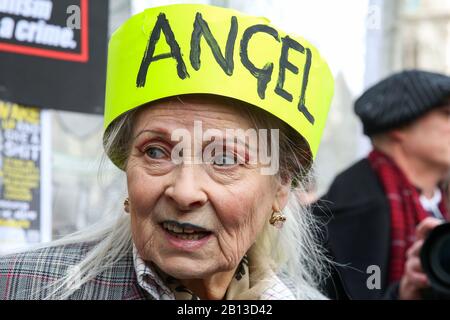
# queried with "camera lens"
point(435, 258)
point(440, 258)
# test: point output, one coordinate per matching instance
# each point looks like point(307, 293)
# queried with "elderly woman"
point(214, 117)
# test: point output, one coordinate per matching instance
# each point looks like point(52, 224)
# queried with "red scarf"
point(406, 210)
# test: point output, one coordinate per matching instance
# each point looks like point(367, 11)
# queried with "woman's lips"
point(187, 239)
point(184, 227)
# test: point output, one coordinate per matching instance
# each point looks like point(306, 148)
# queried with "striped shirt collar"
point(149, 280)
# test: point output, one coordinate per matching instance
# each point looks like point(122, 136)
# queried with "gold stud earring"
point(277, 219)
point(126, 205)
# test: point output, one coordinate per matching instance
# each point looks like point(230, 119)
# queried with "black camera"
point(435, 258)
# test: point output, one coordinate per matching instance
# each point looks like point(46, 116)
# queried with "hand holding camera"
point(415, 279)
point(427, 267)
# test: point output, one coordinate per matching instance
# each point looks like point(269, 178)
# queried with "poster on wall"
point(53, 53)
point(22, 219)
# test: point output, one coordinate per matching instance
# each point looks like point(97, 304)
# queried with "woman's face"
point(195, 220)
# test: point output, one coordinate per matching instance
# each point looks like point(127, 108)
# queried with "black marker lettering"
point(302, 104)
point(162, 25)
point(263, 75)
point(288, 43)
point(201, 28)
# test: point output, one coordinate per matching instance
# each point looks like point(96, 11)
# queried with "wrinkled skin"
point(234, 202)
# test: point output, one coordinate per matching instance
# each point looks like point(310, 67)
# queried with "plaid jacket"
point(27, 275)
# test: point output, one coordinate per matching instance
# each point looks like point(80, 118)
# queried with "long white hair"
point(293, 252)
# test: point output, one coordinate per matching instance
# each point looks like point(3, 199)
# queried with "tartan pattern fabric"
point(406, 210)
point(25, 276)
point(28, 275)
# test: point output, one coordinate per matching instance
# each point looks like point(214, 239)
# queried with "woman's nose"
point(185, 190)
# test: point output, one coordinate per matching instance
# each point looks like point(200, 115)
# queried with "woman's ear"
point(282, 195)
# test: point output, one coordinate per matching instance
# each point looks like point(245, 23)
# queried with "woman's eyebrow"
point(160, 132)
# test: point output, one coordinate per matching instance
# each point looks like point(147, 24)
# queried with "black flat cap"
point(401, 99)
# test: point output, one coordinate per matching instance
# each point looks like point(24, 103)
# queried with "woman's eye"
point(155, 153)
point(224, 160)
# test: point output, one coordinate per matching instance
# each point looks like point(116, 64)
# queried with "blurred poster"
point(20, 176)
point(53, 53)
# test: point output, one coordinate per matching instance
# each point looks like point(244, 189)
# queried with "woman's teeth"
point(188, 236)
point(183, 233)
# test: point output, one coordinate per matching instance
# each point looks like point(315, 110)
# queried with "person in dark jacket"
point(379, 211)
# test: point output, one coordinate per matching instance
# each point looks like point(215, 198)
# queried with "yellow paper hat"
point(190, 48)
